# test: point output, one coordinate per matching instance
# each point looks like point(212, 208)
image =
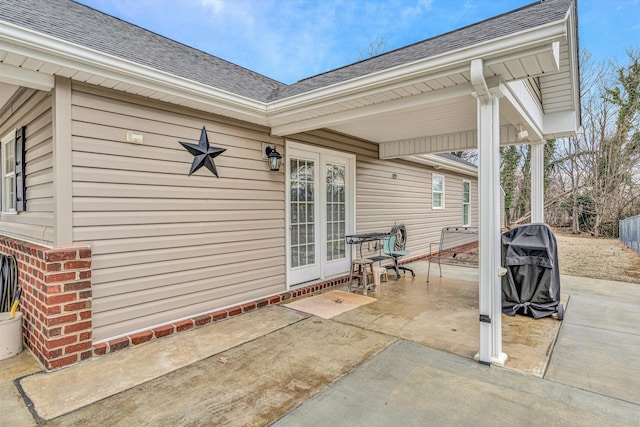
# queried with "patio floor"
point(443, 315)
point(290, 353)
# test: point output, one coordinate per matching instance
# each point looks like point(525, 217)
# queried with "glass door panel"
point(335, 203)
point(302, 186)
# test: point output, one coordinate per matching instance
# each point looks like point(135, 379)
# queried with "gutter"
point(440, 163)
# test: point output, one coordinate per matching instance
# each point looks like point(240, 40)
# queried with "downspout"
point(478, 81)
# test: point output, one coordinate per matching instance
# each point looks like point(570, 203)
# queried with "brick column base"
point(56, 300)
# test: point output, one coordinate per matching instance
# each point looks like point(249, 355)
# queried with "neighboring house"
point(117, 245)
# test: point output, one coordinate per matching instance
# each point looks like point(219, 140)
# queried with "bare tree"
point(600, 167)
point(377, 46)
point(576, 156)
point(619, 150)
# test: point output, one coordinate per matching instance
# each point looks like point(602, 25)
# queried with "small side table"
point(361, 269)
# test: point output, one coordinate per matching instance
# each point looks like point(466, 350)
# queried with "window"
point(12, 168)
point(466, 203)
point(437, 191)
point(9, 173)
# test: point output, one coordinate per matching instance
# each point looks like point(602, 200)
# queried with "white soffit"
point(532, 62)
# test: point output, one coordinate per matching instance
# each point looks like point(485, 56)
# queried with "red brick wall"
point(56, 300)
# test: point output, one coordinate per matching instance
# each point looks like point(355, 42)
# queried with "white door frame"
point(350, 195)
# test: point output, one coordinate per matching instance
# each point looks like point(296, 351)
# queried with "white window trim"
point(468, 224)
point(7, 139)
point(433, 175)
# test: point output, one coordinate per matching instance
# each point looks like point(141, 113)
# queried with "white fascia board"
point(64, 54)
point(27, 78)
point(526, 105)
point(457, 59)
point(561, 124)
point(574, 62)
point(440, 163)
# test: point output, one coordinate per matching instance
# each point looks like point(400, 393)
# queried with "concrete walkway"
point(593, 376)
point(281, 366)
point(598, 348)
point(411, 385)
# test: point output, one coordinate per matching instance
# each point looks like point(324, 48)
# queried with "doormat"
point(330, 304)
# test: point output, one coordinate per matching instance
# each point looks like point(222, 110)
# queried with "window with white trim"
point(466, 203)
point(437, 191)
point(9, 173)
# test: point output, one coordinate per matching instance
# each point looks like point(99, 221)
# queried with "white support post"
point(489, 236)
point(537, 182)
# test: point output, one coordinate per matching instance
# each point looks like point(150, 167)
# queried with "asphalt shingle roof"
point(84, 26)
point(454, 158)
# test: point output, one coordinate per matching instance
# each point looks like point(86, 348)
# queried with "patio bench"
point(457, 246)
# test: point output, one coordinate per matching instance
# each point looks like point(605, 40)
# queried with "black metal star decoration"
point(203, 153)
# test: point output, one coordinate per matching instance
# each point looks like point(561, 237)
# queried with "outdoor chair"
point(396, 250)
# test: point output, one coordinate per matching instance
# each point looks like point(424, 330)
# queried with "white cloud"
point(420, 7)
point(215, 5)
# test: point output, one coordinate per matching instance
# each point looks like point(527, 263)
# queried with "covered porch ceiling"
point(436, 109)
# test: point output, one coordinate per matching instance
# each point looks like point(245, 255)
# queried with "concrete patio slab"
point(598, 348)
point(255, 368)
point(11, 401)
point(443, 314)
point(605, 313)
point(430, 387)
point(621, 291)
point(598, 360)
point(249, 385)
point(97, 379)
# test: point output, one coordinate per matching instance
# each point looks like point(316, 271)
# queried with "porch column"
point(62, 161)
point(489, 235)
point(537, 182)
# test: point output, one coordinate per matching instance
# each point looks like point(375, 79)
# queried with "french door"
point(320, 204)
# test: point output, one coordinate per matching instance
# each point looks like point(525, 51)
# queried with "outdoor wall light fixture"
point(275, 158)
point(522, 135)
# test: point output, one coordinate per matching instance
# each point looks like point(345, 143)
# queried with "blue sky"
point(289, 40)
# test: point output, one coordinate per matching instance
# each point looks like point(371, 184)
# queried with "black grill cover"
point(531, 285)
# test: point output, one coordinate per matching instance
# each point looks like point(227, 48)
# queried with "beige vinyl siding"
point(382, 201)
point(33, 109)
point(165, 245)
point(168, 246)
